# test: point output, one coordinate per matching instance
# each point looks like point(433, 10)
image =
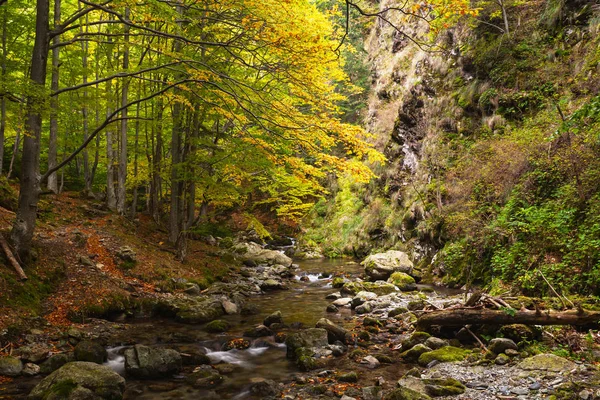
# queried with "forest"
point(299, 199)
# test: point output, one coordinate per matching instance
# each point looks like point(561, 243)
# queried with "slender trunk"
point(24, 225)
point(16, 148)
point(135, 161)
point(191, 200)
point(156, 166)
point(52, 145)
point(122, 172)
point(3, 101)
point(84, 114)
point(176, 132)
point(111, 200)
point(504, 16)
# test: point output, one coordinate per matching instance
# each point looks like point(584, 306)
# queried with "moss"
point(443, 387)
point(350, 377)
point(403, 393)
point(379, 288)
point(61, 389)
point(444, 354)
point(397, 311)
point(305, 360)
point(370, 321)
point(337, 282)
point(414, 339)
point(403, 281)
point(217, 326)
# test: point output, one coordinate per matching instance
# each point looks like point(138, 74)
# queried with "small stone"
point(585, 394)
point(370, 362)
point(436, 343)
point(477, 385)
point(333, 296)
point(502, 359)
point(520, 391)
point(344, 301)
point(31, 369)
point(275, 318)
point(10, 366)
point(229, 307)
point(350, 377)
point(332, 309)
point(535, 386)
point(511, 353)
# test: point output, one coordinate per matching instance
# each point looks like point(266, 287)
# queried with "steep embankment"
point(492, 145)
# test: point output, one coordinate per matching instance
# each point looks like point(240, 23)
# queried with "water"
point(302, 305)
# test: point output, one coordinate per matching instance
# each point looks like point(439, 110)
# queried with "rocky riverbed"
point(275, 329)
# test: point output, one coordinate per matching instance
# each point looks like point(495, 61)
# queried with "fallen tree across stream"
point(468, 316)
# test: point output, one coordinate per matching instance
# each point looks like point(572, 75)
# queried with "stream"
point(302, 305)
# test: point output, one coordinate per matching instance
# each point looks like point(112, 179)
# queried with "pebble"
point(520, 391)
point(584, 394)
point(535, 386)
point(477, 385)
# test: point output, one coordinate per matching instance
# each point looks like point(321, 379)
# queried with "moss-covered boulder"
point(305, 360)
point(380, 288)
point(80, 380)
point(309, 338)
point(148, 363)
point(435, 387)
point(415, 352)
point(205, 377)
point(254, 252)
point(404, 393)
point(500, 345)
point(334, 332)
point(190, 309)
point(10, 366)
point(520, 332)
point(338, 282)
point(546, 362)
point(217, 326)
point(397, 311)
point(381, 266)
point(350, 377)
point(90, 351)
point(444, 354)
point(55, 362)
point(351, 288)
point(403, 281)
point(415, 339)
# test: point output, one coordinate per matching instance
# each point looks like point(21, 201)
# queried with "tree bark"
point(24, 225)
point(3, 101)
point(466, 316)
point(52, 183)
point(84, 111)
point(12, 259)
point(122, 171)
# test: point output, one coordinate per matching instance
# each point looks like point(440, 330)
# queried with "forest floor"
point(77, 269)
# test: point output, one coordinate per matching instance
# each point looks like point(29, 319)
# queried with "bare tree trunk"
point(156, 183)
point(135, 162)
point(24, 225)
point(52, 145)
point(84, 113)
point(176, 192)
point(504, 16)
point(122, 172)
point(111, 200)
point(3, 101)
point(16, 148)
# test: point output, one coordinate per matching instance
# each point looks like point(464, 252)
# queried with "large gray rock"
point(34, 353)
point(191, 309)
point(255, 253)
point(80, 380)
point(308, 338)
point(381, 266)
point(55, 362)
point(10, 366)
point(146, 362)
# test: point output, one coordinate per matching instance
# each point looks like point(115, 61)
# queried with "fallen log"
point(11, 258)
point(462, 317)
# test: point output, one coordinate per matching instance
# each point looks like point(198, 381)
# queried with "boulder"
point(362, 297)
point(147, 363)
point(436, 343)
point(264, 388)
point(34, 353)
point(31, 369)
point(271, 284)
point(334, 332)
point(258, 331)
point(381, 266)
point(403, 281)
point(229, 307)
point(308, 338)
point(126, 253)
point(435, 387)
point(404, 393)
point(444, 354)
point(370, 362)
point(10, 366)
point(55, 362)
point(415, 339)
point(90, 351)
point(500, 345)
point(217, 326)
point(275, 318)
point(350, 377)
point(255, 253)
point(344, 301)
point(80, 380)
point(546, 362)
point(205, 377)
point(380, 288)
point(520, 332)
point(415, 352)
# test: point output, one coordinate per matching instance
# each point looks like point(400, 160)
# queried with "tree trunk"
point(467, 316)
point(3, 101)
point(84, 113)
point(52, 145)
point(24, 225)
point(504, 16)
point(156, 183)
point(122, 172)
point(135, 162)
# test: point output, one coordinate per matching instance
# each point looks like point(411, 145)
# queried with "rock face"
point(10, 366)
point(309, 338)
point(80, 380)
point(255, 253)
point(381, 266)
point(145, 362)
point(91, 352)
point(546, 362)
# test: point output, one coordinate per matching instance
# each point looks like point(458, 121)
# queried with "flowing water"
point(303, 304)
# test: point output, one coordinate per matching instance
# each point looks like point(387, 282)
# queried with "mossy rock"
point(520, 332)
point(380, 288)
point(403, 393)
point(403, 281)
point(305, 360)
point(397, 311)
point(444, 354)
point(338, 282)
point(443, 387)
point(217, 326)
point(10, 366)
point(546, 362)
point(350, 377)
point(384, 359)
point(415, 352)
point(90, 351)
point(370, 321)
point(205, 378)
point(79, 380)
point(415, 339)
